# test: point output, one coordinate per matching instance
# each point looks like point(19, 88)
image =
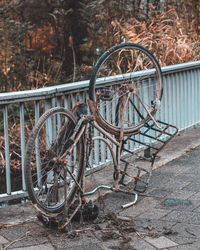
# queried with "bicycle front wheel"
point(53, 165)
point(127, 78)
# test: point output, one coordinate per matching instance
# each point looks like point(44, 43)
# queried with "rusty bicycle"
point(60, 147)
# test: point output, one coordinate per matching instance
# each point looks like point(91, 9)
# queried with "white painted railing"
point(180, 106)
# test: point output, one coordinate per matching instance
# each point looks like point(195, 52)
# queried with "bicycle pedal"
point(87, 212)
point(48, 222)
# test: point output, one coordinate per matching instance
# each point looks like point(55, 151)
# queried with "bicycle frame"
point(89, 120)
point(131, 117)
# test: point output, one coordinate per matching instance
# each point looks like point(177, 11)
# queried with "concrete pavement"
point(167, 216)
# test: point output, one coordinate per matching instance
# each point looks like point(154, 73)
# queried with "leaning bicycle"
point(125, 91)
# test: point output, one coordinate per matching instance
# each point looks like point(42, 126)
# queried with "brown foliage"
point(14, 147)
point(35, 48)
point(41, 39)
point(51, 41)
point(165, 34)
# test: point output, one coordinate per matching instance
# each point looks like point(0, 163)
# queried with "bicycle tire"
point(60, 144)
point(136, 76)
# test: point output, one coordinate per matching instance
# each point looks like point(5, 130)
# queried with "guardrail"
point(180, 106)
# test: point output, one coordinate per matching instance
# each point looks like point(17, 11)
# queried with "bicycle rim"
point(125, 75)
point(48, 168)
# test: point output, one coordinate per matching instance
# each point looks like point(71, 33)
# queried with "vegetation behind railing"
point(49, 42)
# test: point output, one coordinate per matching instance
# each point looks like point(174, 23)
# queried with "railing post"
point(7, 149)
point(22, 137)
point(37, 152)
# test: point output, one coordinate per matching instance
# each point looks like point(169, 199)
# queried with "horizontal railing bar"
point(42, 93)
point(50, 92)
point(14, 195)
point(180, 67)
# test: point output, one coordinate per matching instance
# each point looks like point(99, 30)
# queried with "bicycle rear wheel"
point(48, 168)
point(126, 75)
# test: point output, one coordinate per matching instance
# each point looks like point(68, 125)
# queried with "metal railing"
point(180, 106)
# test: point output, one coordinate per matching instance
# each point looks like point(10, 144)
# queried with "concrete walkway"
point(167, 216)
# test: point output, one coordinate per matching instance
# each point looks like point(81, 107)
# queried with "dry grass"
point(167, 35)
point(14, 148)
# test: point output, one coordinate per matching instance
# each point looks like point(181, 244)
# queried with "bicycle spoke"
point(45, 164)
point(132, 70)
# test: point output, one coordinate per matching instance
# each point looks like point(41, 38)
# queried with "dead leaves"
point(165, 34)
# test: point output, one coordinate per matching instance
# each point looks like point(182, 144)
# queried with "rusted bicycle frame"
point(90, 120)
point(114, 134)
point(119, 141)
point(80, 129)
